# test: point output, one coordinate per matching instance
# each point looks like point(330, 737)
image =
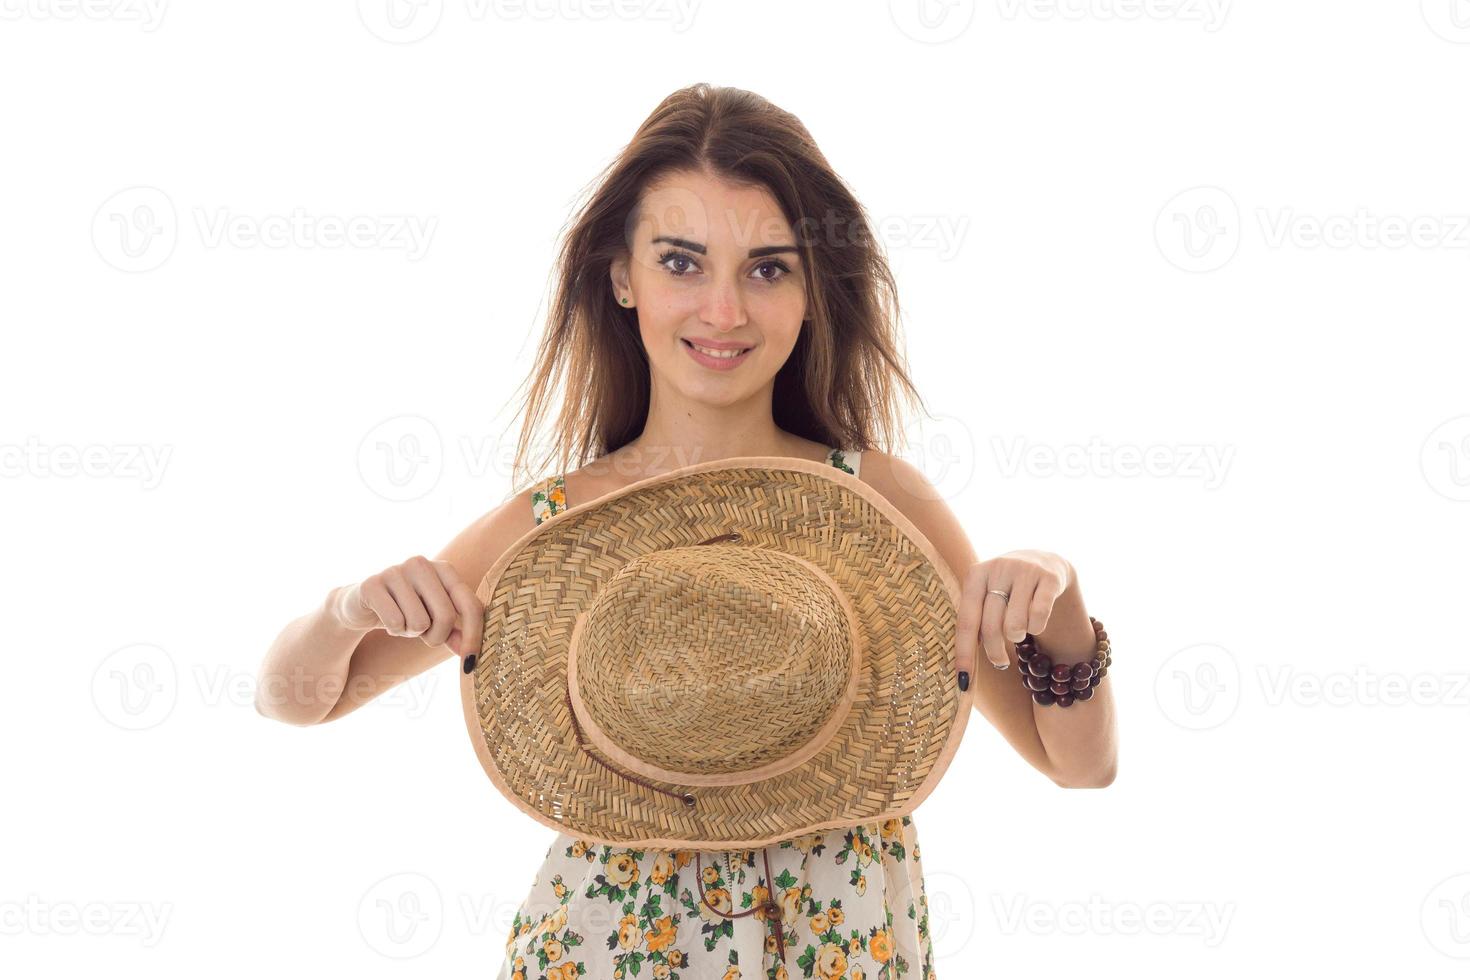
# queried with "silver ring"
point(1004, 595)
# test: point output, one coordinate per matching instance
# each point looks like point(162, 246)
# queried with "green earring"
point(624, 300)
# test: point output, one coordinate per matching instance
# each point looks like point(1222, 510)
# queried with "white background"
point(1229, 239)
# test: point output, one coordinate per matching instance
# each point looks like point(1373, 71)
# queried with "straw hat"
point(727, 655)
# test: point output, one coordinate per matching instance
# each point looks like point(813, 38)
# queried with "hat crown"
point(705, 662)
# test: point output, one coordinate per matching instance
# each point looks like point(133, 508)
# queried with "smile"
point(720, 360)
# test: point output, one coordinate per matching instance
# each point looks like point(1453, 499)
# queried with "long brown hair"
point(841, 383)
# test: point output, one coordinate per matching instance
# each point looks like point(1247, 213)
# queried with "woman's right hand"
point(418, 597)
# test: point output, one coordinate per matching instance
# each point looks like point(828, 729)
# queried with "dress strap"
point(846, 459)
point(550, 498)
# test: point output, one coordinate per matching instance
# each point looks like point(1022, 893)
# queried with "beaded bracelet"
point(1061, 684)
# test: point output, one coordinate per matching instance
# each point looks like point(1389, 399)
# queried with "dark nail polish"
point(964, 680)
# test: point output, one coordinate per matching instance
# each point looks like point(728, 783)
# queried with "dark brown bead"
point(1043, 697)
point(1081, 683)
point(1064, 700)
point(1061, 687)
point(1061, 672)
point(1038, 669)
point(1037, 683)
point(1082, 670)
point(1044, 662)
point(1084, 695)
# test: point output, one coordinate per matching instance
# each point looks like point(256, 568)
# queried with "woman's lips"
point(715, 363)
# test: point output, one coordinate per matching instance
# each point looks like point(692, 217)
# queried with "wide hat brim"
point(896, 740)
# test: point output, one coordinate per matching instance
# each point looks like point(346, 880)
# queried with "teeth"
point(717, 353)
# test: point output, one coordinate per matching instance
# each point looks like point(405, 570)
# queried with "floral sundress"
point(852, 903)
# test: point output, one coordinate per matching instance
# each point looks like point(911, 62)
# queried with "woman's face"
point(712, 265)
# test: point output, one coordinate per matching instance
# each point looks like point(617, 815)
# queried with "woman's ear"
point(622, 287)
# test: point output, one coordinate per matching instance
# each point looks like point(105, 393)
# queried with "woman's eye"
point(675, 257)
point(778, 268)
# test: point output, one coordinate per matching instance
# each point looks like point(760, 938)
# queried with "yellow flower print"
point(716, 899)
point(791, 903)
point(663, 867)
point(661, 936)
point(676, 958)
point(552, 948)
point(628, 934)
point(880, 945)
point(579, 848)
point(820, 923)
point(831, 962)
point(733, 973)
point(837, 916)
point(621, 869)
point(567, 971)
point(862, 884)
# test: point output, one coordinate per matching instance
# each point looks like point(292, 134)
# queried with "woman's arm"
point(322, 666)
point(1074, 746)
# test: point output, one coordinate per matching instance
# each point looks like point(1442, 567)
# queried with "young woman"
point(720, 294)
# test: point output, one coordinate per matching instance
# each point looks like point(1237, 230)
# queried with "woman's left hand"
point(1034, 579)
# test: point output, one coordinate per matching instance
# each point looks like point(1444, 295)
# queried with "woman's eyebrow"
point(696, 247)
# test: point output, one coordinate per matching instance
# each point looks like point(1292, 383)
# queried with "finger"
point(428, 582)
point(991, 616)
point(967, 621)
point(415, 617)
point(1039, 609)
point(465, 639)
point(375, 596)
point(1018, 610)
